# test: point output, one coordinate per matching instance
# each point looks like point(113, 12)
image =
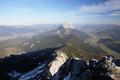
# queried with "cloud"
point(117, 13)
point(107, 6)
point(109, 11)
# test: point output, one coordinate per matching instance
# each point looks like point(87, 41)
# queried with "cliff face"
point(57, 63)
point(64, 68)
point(46, 71)
point(77, 69)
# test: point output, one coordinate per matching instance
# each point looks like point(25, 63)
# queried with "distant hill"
point(72, 39)
point(63, 51)
point(87, 42)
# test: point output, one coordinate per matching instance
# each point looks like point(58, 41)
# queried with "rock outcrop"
point(77, 69)
point(57, 63)
point(45, 71)
point(63, 68)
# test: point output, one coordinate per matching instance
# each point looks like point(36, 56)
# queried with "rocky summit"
point(64, 68)
point(78, 69)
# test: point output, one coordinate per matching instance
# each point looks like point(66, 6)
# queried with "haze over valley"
point(60, 40)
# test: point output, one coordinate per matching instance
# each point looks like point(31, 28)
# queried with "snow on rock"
point(71, 69)
point(33, 73)
point(31, 46)
point(77, 69)
point(65, 29)
point(62, 68)
point(14, 74)
point(68, 25)
point(56, 64)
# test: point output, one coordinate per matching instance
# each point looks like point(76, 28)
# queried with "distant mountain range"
point(10, 30)
point(53, 64)
point(87, 41)
point(61, 53)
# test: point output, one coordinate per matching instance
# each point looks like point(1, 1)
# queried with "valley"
point(41, 56)
point(87, 42)
point(59, 39)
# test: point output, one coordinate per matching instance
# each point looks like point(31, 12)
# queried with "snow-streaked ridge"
point(59, 60)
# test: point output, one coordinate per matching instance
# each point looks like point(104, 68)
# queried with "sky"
point(27, 12)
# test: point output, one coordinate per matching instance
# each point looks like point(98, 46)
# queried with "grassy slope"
point(72, 51)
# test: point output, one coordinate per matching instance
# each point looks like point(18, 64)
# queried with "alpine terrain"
point(64, 53)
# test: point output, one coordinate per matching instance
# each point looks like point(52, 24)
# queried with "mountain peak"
point(68, 25)
point(65, 29)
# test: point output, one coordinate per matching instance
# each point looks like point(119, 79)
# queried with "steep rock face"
point(71, 70)
point(65, 29)
point(77, 69)
point(68, 25)
point(105, 68)
point(62, 68)
point(46, 70)
point(56, 64)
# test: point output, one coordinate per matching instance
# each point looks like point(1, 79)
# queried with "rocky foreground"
point(78, 69)
point(63, 68)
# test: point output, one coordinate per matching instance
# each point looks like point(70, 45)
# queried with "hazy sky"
point(58, 11)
